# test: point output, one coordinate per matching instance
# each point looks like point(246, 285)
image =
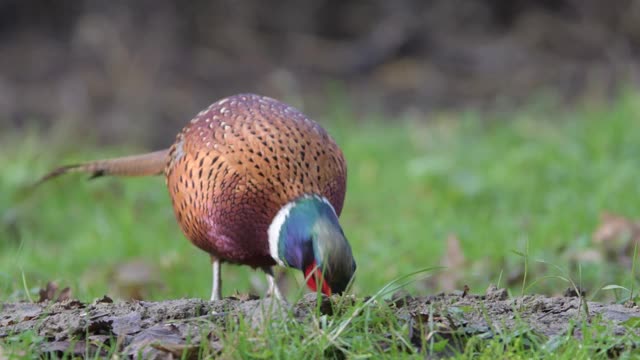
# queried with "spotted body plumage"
point(255, 182)
point(237, 163)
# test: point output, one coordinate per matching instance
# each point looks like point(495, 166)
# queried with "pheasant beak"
point(314, 276)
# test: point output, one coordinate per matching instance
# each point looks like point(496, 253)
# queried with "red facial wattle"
point(311, 279)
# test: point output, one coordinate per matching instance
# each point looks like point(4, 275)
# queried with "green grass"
point(535, 181)
point(372, 329)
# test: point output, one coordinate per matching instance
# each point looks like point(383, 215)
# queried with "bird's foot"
point(273, 290)
point(215, 297)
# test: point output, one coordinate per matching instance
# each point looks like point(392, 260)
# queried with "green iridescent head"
point(306, 235)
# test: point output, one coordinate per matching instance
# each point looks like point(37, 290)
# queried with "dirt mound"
point(166, 328)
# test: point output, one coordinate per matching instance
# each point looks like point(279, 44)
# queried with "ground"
point(440, 325)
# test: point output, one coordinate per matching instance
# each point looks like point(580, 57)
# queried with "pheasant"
point(252, 182)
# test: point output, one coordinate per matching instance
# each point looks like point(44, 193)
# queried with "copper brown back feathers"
point(238, 162)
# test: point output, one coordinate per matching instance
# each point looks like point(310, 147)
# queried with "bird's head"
point(306, 235)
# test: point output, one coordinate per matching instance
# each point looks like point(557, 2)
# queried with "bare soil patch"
point(169, 328)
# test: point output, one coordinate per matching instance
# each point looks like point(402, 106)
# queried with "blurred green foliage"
point(533, 181)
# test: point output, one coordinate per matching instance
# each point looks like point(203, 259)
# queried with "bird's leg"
point(273, 286)
point(216, 286)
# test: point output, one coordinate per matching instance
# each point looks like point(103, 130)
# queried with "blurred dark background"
point(125, 71)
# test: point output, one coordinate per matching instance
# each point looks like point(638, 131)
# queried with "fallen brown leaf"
point(65, 294)
point(465, 290)
point(616, 237)
point(105, 299)
point(50, 291)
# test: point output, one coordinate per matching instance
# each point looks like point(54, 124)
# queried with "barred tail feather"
point(135, 165)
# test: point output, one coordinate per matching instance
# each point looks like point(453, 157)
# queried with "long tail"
point(135, 165)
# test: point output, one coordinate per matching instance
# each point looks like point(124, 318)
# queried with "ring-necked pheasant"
point(255, 182)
